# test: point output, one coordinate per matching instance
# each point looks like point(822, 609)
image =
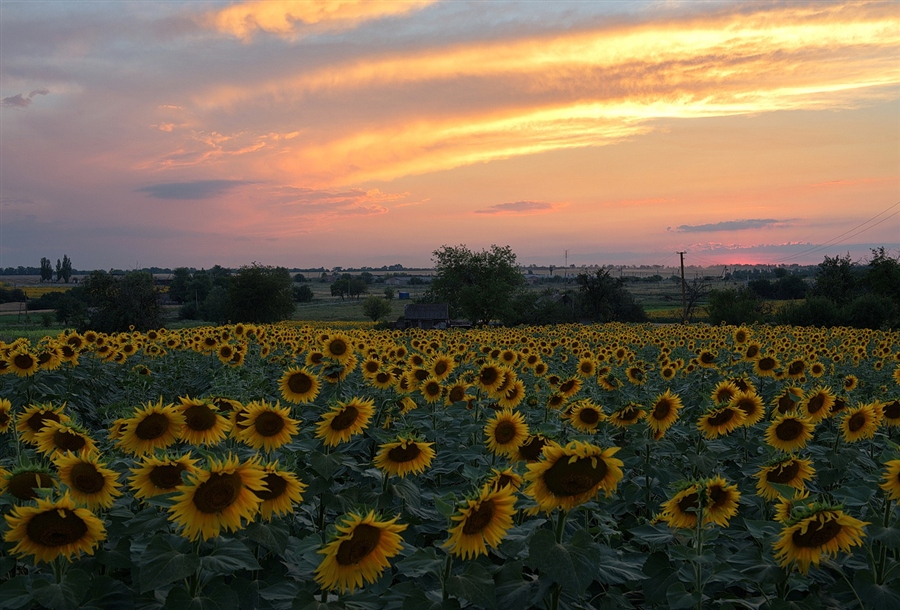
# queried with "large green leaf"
point(228, 556)
point(166, 559)
point(420, 562)
point(67, 594)
point(572, 565)
point(213, 597)
point(108, 594)
point(273, 535)
point(14, 593)
point(475, 585)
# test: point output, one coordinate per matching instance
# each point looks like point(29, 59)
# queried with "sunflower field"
point(297, 466)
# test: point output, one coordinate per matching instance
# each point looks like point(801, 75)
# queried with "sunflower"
point(860, 422)
point(532, 449)
point(338, 347)
point(457, 393)
point(724, 391)
point(22, 363)
point(788, 400)
point(817, 404)
point(850, 382)
point(819, 531)
point(571, 475)
point(482, 523)
point(89, 481)
point(789, 432)
point(512, 395)
point(490, 377)
point(587, 367)
point(791, 471)
point(431, 390)
point(499, 479)
point(765, 366)
point(283, 491)
point(505, 432)
point(785, 507)
point(441, 367)
point(664, 412)
point(24, 481)
point(721, 501)
point(299, 385)
point(751, 404)
point(383, 380)
point(154, 426)
point(267, 426)
point(345, 420)
point(359, 553)
point(891, 484)
point(680, 511)
point(5, 415)
point(218, 498)
point(56, 438)
point(33, 419)
point(626, 416)
point(203, 425)
point(586, 416)
point(53, 528)
point(721, 421)
point(160, 475)
point(890, 413)
point(404, 456)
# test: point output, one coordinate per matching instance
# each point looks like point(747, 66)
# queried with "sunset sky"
point(352, 133)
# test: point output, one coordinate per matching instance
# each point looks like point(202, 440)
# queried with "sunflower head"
point(482, 522)
point(403, 456)
point(299, 385)
point(52, 529)
point(345, 420)
point(571, 475)
point(23, 482)
point(815, 531)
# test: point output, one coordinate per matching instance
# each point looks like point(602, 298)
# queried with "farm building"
point(426, 315)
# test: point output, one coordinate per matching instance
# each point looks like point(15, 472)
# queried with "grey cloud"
point(23, 101)
point(197, 189)
point(517, 206)
point(730, 225)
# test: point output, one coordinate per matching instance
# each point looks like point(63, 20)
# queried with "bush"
point(734, 307)
point(258, 293)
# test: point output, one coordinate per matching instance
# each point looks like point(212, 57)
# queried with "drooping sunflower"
point(157, 475)
point(890, 413)
point(789, 399)
point(359, 553)
point(504, 478)
point(626, 416)
point(203, 424)
point(586, 416)
point(218, 498)
point(345, 420)
point(505, 432)
point(283, 491)
point(56, 438)
point(850, 383)
point(383, 380)
point(819, 531)
point(784, 508)
point(721, 501)
point(532, 449)
point(53, 528)
point(89, 481)
point(299, 385)
point(569, 387)
point(482, 523)
point(860, 422)
point(513, 395)
point(720, 421)
point(24, 481)
point(664, 412)
point(403, 456)
point(817, 404)
point(267, 426)
point(891, 484)
point(568, 476)
point(681, 510)
point(33, 419)
point(751, 404)
point(789, 432)
point(5, 415)
point(153, 426)
point(791, 471)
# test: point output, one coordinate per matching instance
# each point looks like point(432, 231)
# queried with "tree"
point(122, 303)
point(66, 268)
point(603, 298)
point(735, 307)
point(58, 270)
point(46, 269)
point(259, 293)
point(479, 286)
point(883, 275)
point(375, 307)
point(302, 293)
point(836, 280)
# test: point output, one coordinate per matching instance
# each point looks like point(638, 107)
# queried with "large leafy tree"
point(119, 303)
point(46, 269)
point(481, 286)
point(603, 298)
point(259, 293)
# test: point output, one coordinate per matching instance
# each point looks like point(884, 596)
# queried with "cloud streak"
point(22, 101)
point(196, 189)
point(731, 225)
point(518, 208)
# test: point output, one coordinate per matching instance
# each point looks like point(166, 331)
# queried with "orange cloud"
point(519, 208)
point(285, 18)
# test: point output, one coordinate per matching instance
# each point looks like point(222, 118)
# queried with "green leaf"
point(652, 534)
point(475, 585)
point(888, 536)
point(273, 535)
point(517, 538)
point(324, 465)
point(213, 597)
point(445, 505)
point(512, 590)
point(14, 593)
point(108, 594)
point(616, 569)
point(573, 565)
point(418, 600)
point(875, 596)
point(421, 562)
point(408, 491)
point(228, 556)
point(660, 576)
point(167, 559)
point(678, 598)
point(67, 594)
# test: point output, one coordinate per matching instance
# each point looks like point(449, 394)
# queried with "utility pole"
point(567, 265)
point(683, 298)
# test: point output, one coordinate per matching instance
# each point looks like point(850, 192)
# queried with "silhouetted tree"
point(259, 293)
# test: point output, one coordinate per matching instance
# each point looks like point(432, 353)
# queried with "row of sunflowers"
point(307, 466)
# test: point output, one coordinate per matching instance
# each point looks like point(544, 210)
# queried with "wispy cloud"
point(518, 207)
point(22, 101)
point(197, 189)
point(731, 225)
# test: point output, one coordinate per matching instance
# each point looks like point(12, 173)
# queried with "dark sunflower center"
point(218, 493)
point(457, 393)
point(421, 374)
point(748, 406)
point(721, 418)
point(4, 418)
point(152, 427)
point(167, 476)
point(432, 389)
point(816, 403)
point(23, 361)
point(23, 485)
point(891, 411)
point(839, 405)
point(857, 421)
point(44, 358)
point(371, 366)
point(479, 519)
point(785, 404)
point(504, 480)
point(689, 503)
point(752, 351)
point(783, 473)
point(440, 367)
point(364, 540)
point(586, 368)
point(345, 418)
point(717, 496)
point(628, 414)
point(488, 376)
point(275, 486)
point(87, 479)
point(382, 378)
point(299, 383)
point(404, 454)
point(817, 534)
point(796, 367)
point(707, 358)
point(740, 336)
point(37, 421)
point(567, 386)
point(55, 528)
point(269, 423)
point(68, 441)
point(531, 450)
point(589, 416)
point(789, 430)
point(504, 432)
point(199, 417)
point(767, 363)
point(566, 478)
point(662, 409)
point(338, 347)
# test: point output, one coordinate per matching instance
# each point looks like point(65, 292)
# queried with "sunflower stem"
point(560, 525)
point(647, 471)
point(882, 550)
point(698, 562)
point(445, 576)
